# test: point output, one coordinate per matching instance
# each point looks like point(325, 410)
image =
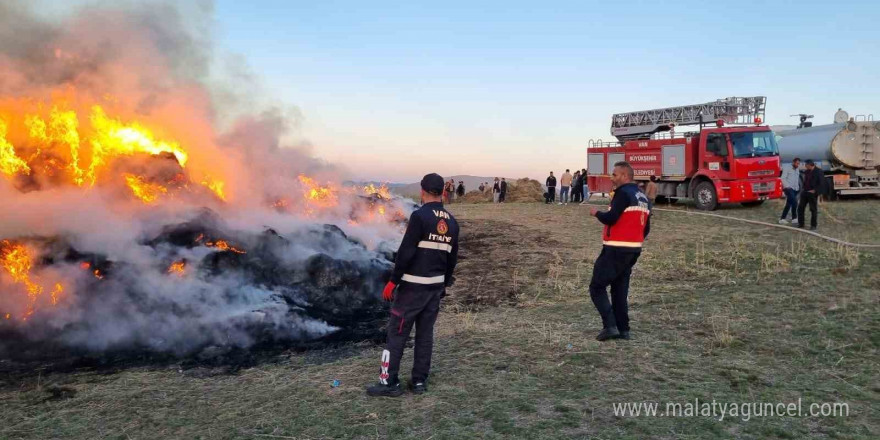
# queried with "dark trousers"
point(791, 202)
point(551, 194)
point(812, 199)
point(613, 267)
point(502, 196)
point(577, 193)
point(413, 306)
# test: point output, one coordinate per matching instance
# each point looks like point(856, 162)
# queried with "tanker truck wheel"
point(753, 204)
point(705, 197)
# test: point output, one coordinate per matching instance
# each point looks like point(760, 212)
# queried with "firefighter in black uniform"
point(627, 223)
point(422, 271)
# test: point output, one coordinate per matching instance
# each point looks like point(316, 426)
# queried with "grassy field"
point(721, 310)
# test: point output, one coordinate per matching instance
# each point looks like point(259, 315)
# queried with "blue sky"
point(398, 89)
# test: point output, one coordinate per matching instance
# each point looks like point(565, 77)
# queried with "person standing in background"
point(503, 188)
point(550, 196)
point(496, 191)
point(651, 189)
point(576, 187)
point(565, 183)
point(586, 190)
point(810, 195)
point(791, 185)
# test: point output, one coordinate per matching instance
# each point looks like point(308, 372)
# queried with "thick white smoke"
point(102, 258)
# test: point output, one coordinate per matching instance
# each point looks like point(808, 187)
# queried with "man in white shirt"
point(791, 184)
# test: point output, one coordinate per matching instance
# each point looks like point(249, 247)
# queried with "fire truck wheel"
point(753, 204)
point(705, 197)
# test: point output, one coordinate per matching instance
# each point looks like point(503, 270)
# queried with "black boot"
point(418, 387)
point(624, 335)
point(608, 333)
point(382, 390)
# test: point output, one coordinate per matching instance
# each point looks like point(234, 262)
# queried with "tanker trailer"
point(843, 150)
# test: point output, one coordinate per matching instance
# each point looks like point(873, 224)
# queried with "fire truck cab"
point(719, 164)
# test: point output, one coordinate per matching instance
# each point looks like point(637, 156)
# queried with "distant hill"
point(470, 183)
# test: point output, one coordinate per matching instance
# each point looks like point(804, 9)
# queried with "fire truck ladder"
point(643, 124)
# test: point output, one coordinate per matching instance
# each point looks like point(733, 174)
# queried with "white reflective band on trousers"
point(435, 245)
point(622, 244)
point(439, 279)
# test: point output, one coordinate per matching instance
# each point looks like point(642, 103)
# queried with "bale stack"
point(476, 197)
point(521, 191)
point(525, 191)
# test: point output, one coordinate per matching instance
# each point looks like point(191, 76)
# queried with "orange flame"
point(17, 261)
point(56, 145)
point(177, 268)
point(147, 192)
point(316, 194)
point(10, 164)
point(56, 292)
point(215, 186)
point(381, 191)
point(113, 138)
point(223, 245)
point(61, 129)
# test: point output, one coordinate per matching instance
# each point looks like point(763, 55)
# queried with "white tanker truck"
point(844, 150)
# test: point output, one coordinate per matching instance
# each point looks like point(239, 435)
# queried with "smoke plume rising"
point(149, 204)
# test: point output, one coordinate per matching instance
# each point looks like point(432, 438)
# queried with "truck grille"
point(763, 187)
point(760, 173)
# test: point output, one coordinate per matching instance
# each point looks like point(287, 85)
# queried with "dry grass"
point(720, 311)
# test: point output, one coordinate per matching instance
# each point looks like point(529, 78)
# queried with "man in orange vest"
point(627, 223)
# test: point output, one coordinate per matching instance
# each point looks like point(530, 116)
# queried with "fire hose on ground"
point(772, 225)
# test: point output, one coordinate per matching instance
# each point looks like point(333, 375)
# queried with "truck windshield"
point(754, 144)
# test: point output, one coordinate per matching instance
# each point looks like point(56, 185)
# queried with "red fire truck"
point(732, 158)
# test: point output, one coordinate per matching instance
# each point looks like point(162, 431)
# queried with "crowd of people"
point(573, 188)
point(453, 192)
point(498, 189)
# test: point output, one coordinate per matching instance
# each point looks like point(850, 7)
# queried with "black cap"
point(433, 183)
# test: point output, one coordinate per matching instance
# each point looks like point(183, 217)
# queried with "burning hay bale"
point(251, 289)
point(133, 221)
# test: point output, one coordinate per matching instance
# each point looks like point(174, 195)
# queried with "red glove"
point(388, 293)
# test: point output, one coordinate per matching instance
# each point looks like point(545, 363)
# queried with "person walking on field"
point(565, 183)
point(496, 191)
point(651, 189)
point(791, 185)
point(810, 195)
point(551, 189)
point(627, 224)
point(460, 190)
point(423, 270)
